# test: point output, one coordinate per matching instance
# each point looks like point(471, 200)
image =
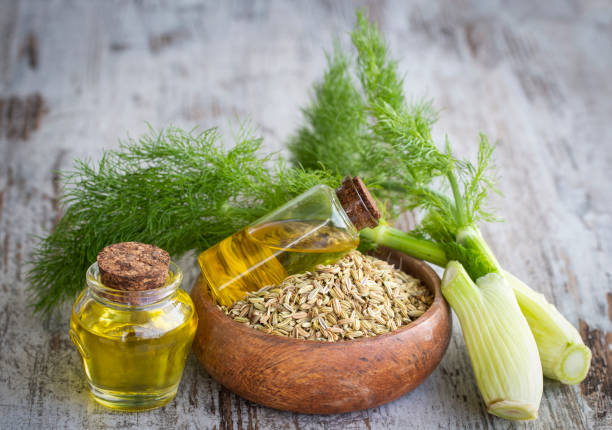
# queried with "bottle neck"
point(133, 298)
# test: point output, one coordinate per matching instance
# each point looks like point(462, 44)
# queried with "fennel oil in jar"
point(317, 227)
point(134, 342)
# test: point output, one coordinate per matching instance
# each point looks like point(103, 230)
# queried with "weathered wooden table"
point(75, 76)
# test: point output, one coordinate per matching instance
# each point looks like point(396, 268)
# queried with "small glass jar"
point(134, 343)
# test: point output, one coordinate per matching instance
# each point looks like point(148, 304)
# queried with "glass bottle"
point(134, 343)
point(317, 227)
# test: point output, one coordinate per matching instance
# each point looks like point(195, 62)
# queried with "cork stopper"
point(133, 266)
point(358, 203)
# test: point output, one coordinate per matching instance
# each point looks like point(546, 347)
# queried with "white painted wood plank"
point(535, 76)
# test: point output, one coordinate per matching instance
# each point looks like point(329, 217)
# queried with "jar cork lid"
point(358, 203)
point(133, 266)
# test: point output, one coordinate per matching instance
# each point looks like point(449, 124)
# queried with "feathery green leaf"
point(180, 191)
point(395, 150)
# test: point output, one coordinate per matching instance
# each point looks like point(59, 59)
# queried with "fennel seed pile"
point(358, 296)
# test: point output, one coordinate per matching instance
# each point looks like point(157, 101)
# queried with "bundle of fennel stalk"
point(513, 335)
point(182, 191)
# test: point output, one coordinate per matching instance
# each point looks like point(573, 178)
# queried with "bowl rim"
point(438, 305)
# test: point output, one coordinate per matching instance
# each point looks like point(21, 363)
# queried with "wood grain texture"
point(320, 377)
point(534, 75)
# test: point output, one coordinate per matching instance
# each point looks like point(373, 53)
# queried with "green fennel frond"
point(334, 136)
point(178, 190)
point(408, 133)
point(377, 72)
point(358, 123)
point(480, 180)
point(395, 150)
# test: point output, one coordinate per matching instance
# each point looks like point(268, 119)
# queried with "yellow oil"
point(134, 358)
point(265, 254)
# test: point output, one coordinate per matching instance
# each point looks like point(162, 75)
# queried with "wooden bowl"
point(317, 377)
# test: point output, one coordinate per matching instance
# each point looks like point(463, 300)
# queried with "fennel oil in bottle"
point(317, 227)
point(134, 342)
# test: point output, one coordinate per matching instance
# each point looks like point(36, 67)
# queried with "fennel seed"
point(358, 296)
